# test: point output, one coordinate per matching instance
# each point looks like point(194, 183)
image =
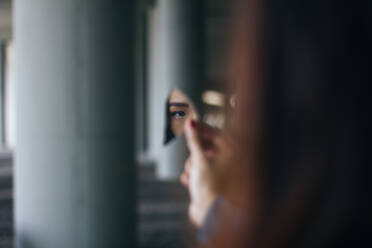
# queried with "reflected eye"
point(178, 114)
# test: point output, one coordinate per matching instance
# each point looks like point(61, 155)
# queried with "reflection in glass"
point(179, 110)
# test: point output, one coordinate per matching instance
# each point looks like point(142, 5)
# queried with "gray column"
point(74, 159)
point(176, 61)
point(2, 90)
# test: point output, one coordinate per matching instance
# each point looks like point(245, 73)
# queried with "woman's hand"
point(206, 170)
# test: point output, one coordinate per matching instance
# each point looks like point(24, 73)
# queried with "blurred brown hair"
point(300, 72)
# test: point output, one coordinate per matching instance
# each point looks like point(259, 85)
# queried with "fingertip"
point(192, 124)
point(192, 137)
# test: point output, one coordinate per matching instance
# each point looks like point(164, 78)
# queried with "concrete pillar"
point(74, 159)
point(2, 95)
point(10, 118)
point(176, 61)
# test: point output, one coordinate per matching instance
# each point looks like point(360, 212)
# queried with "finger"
point(184, 178)
point(188, 167)
point(192, 138)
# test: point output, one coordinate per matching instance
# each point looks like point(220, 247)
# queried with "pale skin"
point(206, 169)
point(181, 110)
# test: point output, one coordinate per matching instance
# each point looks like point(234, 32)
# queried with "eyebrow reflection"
point(178, 104)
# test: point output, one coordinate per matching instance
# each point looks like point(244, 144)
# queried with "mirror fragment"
point(180, 110)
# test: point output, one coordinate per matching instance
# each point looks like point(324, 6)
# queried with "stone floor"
point(162, 209)
point(162, 213)
point(6, 200)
